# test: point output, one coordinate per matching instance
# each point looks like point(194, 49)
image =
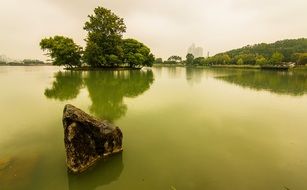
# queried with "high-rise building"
point(3, 58)
point(196, 51)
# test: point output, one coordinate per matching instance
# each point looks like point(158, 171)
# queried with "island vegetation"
point(284, 52)
point(105, 45)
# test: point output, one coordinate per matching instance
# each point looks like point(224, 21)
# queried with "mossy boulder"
point(88, 139)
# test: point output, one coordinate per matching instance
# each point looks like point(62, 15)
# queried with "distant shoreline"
point(264, 67)
point(26, 65)
point(101, 68)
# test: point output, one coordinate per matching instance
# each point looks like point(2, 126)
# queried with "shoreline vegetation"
point(281, 55)
point(26, 62)
point(264, 67)
point(87, 68)
point(105, 46)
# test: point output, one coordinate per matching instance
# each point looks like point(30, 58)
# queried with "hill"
point(290, 50)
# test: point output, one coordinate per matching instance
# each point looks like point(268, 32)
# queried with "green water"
point(214, 129)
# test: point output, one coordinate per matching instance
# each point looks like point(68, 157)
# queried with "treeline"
point(280, 52)
point(23, 62)
point(105, 46)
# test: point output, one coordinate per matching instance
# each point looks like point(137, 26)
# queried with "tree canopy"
point(136, 54)
point(262, 54)
point(190, 58)
point(302, 58)
point(276, 58)
point(62, 50)
point(175, 58)
point(104, 38)
point(159, 60)
point(105, 46)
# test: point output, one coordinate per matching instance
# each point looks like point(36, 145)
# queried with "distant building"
point(4, 59)
point(196, 51)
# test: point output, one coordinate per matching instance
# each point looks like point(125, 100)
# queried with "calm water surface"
point(211, 129)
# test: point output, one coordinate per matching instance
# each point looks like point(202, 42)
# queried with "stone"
point(88, 139)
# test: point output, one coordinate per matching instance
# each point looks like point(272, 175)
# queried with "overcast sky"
point(167, 26)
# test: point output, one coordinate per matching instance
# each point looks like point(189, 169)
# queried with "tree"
point(199, 61)
point(219, 59)
point(276, 58)
point(302, 59)
point(159, 61)
point(104, 38)
point(285, 47)
point(225, 59)
point(175, 58)
point(240, 61)
point(190, 58)
point(260, 60)
point(136, 54)
point(62, 50)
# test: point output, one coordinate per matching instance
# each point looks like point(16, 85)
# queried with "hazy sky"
point(167, 26)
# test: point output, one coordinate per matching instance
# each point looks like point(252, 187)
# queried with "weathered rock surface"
point(87, 139)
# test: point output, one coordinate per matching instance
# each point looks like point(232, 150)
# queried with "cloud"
point(168, 27)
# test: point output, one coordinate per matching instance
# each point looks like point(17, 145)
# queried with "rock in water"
point(88, 139)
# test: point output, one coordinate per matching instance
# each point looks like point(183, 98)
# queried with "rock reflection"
point(102, 174)
point(292, 83)
point(106, 89)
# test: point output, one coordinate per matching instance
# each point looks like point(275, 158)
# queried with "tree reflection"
point(106, 89)
point(66, 86)
point(292, 82)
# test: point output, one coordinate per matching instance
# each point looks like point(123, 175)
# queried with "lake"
point(184, 128)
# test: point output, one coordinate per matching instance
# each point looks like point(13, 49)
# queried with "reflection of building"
point(196, 51)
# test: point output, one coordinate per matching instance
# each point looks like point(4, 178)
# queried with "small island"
point(105, 46)
point(106, 49)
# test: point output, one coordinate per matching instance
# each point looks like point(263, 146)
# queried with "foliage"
point(199, 61)
point(260, 54)
point(276, 58)
point(240, 61)
point(260, 60)
point(104, 38)
point(62, 50)
point(105, 46)
point(175, 58)
point(302, 59)
point(248, 59)
point(218, 59)
point(286, 47)
point(136, 54)
point(32, 61)
point(159, 61)
point(190, 58)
